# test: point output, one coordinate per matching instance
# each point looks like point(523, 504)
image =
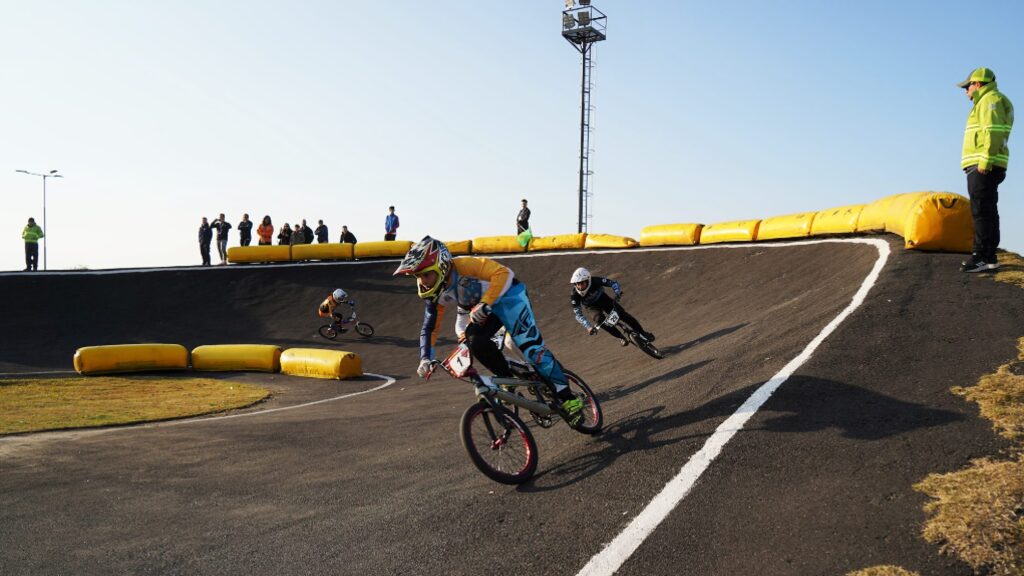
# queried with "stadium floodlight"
point(583, 25)
point(50, 174)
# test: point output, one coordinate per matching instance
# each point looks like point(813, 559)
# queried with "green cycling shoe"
point(573, 409)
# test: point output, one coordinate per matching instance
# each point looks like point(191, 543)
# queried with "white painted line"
point(615, 553)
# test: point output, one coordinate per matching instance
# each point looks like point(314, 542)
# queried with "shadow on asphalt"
point(621, 391)
point(706, 338)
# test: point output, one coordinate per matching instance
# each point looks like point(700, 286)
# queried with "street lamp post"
point(51, 174)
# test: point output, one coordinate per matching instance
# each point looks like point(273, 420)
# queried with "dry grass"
point(1011, 269)
point(1001, 397)
point(883, 571)
point(979, 514)
point(32, 405)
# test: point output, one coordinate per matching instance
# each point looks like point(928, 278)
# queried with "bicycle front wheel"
point(593, 417)
point(499, 444)
point(364, 329)
point(328, 331)
point(646, 346)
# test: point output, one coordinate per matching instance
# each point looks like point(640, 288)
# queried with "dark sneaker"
point(978, 266)
point(573, 409)
point(972, 262)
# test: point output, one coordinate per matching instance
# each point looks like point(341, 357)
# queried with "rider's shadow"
point(698, 341)
point(643, 430)
point(621, 391)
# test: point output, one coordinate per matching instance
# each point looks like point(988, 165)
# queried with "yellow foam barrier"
point(130, 358)
point(496, 245)
point(789, 226)
point(841, 220)
point(249, 254)
point(460, 247)
point(382, 249)
point(320, 363)
point(939, 221)
point(609, 241)
point(671, 235)
point(559, 242)
point(241, 357)
point(738, 231)
point(325, 251)
point(876, 214)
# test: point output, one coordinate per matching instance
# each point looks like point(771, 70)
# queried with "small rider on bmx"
point(588, 291)
point(327, 308)
point(494, 298)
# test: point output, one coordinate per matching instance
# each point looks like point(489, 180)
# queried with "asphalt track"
point(817, 481)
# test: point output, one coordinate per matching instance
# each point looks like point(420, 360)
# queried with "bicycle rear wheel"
point(328, 331)
point(364, 329)
point(499, 443)
point(593, 417)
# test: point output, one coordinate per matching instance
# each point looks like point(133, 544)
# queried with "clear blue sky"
point(159, 113)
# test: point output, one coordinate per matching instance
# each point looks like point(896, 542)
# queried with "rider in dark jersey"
point(588, 291)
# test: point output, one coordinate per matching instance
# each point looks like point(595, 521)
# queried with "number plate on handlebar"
point(460, 363)
point(612, 319)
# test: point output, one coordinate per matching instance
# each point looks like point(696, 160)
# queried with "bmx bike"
point(492, 430)
point(331, 331)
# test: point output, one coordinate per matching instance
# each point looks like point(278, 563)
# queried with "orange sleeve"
point(499, 277)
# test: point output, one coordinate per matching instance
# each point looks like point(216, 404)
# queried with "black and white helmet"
point(579, 276)
point(339, 295)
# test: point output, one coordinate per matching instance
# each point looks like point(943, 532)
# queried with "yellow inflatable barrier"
point(250, 254)
point(939, 221)
point(789, 226)
point(320, 363)
point(382, 249)
point(326, 251)
point(496, 245)
point(130, 358)
point(460, 247)
point(609, 241)
point(671, 235)
point(559, 242)
point(738, 231)
point(841, 220)
point(876, 214)
point(240, 357)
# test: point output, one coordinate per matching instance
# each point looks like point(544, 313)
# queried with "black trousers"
point(984, 192)
point(246, 239)
point(204, 251)
point(484, 350)
point(389, 236)
point(31, 256)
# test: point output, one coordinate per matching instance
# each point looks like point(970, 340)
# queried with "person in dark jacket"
point(205, 236)
point(588, 291)
point(307, 234)
point(321, 233)
point(298, 236)
point(346, 236)
point(523, 219)
point(222, 226)
point(284, 237)
point(245, 230)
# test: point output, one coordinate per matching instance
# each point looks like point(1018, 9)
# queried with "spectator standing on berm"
point(523, 219)
point(266, 231)
point(346, 236)
point(205, 236)
point(284, 237)
point(390, 224)
point(307, 234)
point(222, 227)
point(245, 231)
point(322, 236)
point(298, 237)
point(31, 235)
point(985, 158)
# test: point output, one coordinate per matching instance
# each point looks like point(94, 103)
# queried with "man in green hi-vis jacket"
point(31, 235)
point(985, 158)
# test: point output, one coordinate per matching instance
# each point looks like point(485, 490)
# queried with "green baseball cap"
point(983, 75)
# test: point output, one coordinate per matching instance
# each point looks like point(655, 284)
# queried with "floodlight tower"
point(582, 26)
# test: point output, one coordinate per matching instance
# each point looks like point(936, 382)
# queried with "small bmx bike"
point(331, 331)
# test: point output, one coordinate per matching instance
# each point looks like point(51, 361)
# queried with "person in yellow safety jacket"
point(984, 160)
point(497, 299)
point(31, 235)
